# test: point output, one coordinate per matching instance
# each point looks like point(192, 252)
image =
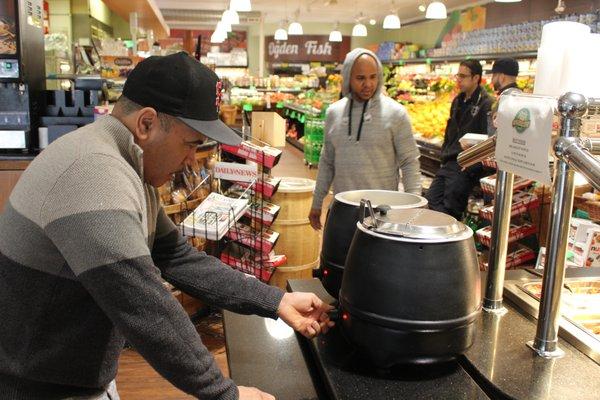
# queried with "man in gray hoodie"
point(368, 137)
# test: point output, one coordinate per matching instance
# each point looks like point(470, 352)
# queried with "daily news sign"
point(236, 172)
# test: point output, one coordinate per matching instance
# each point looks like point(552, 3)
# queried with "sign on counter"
point(236, 172)
point(524, 133)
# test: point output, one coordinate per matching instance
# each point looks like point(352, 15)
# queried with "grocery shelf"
point(517, 55)
point(280, 90)
point(302, 110)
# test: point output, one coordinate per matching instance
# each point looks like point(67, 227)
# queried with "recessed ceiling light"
point(422, 8)
point(372, 21)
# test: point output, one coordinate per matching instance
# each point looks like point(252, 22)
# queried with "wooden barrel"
point(297, 240)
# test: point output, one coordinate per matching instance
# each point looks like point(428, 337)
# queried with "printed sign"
point(304, 48)
point(524, 132)
point(236, 172)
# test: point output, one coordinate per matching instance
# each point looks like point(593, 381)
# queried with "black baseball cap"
point(180, 86)
point(506, 66)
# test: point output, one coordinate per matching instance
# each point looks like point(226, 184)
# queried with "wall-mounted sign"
point(304, 48)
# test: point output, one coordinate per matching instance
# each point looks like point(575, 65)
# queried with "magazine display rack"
point(240, 217)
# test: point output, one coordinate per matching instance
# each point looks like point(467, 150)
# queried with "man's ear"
point(145, 121)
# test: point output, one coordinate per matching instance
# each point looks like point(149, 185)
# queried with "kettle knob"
point(383, 209)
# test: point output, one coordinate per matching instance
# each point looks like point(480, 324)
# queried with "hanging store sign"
point(524, 133)
point(236, 172)
point(304, 48)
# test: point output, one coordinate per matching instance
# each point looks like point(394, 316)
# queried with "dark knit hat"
point(506, 66)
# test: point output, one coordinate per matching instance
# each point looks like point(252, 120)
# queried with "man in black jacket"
point(451, 186)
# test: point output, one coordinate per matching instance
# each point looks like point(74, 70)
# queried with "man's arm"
point(207, 278)
point(407, 153)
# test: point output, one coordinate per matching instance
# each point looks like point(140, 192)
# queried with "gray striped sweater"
point(83, 245)
point(386, 145)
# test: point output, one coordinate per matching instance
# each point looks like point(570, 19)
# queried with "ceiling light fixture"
point(359, 30)
point(231, 17)
point(218, 36)
point(335, 35)
point(422, 8)
point(391, 21)
point(280, 33)
point(240, 5)
point(224, 26)
point(372, 21)
point(295, 27)
point(436, 10)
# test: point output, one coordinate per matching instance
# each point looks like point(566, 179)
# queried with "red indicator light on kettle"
point(325, 272)
point(345, 316)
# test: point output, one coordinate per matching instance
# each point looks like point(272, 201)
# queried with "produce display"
point(313, 101)
point(429, 117)
point(428, 97)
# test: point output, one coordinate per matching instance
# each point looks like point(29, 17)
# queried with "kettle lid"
point(415, 223)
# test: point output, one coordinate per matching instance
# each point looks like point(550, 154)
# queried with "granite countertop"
point(260, 349)
point(499, 365)
point(501, 361)
point(267, 354)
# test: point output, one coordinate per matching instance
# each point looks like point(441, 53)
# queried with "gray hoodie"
point(372, 161)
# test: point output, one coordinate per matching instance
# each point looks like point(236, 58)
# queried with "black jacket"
point(465, 117)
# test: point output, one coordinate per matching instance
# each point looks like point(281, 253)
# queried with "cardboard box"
point(268, 127)
point(591, 257)
point(578, 231)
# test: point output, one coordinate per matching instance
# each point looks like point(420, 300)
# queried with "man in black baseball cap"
point(86, 241)
point(504, 74)
point(504, 80)
point(180, 86)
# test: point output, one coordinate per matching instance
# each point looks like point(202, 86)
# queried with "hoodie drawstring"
point(362, 118)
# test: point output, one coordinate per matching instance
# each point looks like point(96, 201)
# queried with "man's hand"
point(315, 218)
point(306, 313)
point(251, 393)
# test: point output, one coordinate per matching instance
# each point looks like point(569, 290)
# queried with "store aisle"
point(137, 380)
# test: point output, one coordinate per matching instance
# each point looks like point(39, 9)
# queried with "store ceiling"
point(194, 13)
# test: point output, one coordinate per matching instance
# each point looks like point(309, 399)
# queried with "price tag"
point(524, 136)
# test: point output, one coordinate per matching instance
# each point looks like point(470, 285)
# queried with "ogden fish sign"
point(306, 48)
point(311, 47)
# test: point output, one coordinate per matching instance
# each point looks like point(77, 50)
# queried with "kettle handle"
point(365, 206)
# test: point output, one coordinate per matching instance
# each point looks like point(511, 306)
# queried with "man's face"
point(496, 81)
point(467, 82)
point(364, 77)
point(166, 153)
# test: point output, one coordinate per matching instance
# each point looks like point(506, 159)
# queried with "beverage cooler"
point(22, 73)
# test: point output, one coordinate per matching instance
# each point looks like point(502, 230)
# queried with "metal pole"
point(580, 159)
point(492, 300)
point(592, 144)
point(572, 107)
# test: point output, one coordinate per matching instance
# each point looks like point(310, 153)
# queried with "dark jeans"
point(450, 189)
